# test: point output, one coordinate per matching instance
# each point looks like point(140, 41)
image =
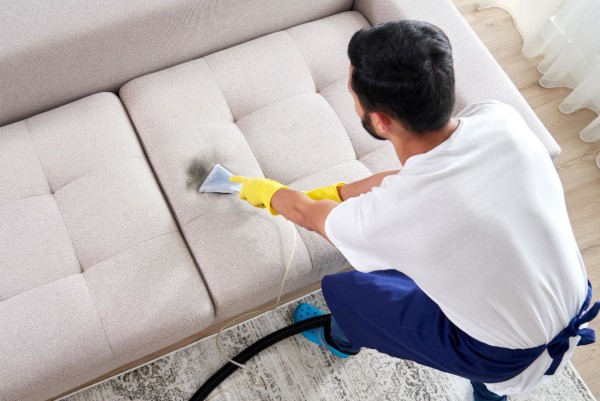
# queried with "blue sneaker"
point(306, 311)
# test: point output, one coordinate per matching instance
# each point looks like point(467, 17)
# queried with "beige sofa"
point(112, 113)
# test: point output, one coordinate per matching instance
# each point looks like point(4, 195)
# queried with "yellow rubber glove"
point(258, 191)
point(329, 192)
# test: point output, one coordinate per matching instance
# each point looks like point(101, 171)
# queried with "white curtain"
point(568, 33)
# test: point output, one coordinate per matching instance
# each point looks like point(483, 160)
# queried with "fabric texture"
point(324, 45)
point(99, 46)
point(36, 247)
point(253, 76)
point(478, 75)
point(491, 191)
point(295, 124)
point(255, 109)
point(92, 263)
point(39, 343)
point(342, 103)
point(22, 176)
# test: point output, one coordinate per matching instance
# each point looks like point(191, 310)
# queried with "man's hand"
point(258, 191)
point(329, 192)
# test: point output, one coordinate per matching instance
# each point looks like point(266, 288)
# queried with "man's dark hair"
point(404, 69)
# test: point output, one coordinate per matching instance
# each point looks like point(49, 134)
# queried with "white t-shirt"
point(480, 224)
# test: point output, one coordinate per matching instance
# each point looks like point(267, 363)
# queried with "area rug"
point(296, 370)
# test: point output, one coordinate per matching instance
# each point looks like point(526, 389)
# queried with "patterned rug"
point(296, 370)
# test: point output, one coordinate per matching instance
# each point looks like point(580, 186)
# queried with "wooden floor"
point(576, 165)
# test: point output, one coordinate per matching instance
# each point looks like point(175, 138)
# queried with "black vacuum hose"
point(215, 380)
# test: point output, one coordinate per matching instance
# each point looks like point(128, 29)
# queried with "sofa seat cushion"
point(92, 264)
point(277, 106)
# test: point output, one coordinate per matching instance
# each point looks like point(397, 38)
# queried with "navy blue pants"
point(341, 342)
point(388, 312)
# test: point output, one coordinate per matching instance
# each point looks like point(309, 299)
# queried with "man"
point(465, 259)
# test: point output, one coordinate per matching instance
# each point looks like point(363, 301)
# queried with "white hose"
point(218, 340)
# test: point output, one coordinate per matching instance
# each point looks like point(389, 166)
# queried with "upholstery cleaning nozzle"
point(218, 181)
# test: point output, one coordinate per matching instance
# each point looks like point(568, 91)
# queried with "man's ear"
point(382, 121)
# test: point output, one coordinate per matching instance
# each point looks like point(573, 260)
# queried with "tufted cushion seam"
point(346, 131)
point(344, 108)
point(303, 57)
point(276, 43)
point(273, 103)
point(332, 83)
point(214, 77)
point(130, 248)
point(183, 226)
point(253, 154)
point(22, 199)
point(96, 170)
point(69, 233)
point(341, 124)
point(99, 318)
point(95, 366)
point(52, 193)
point(295, 183)
point(37, 154)
point(372, 172)
point(377, 149)
point(34, 288)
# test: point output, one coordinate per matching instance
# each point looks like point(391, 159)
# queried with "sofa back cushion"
point(55, 51)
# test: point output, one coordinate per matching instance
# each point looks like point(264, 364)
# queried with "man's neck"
point(408, 145)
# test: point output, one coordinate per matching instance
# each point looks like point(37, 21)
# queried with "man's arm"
point(363, 186)
point(302, 210)
point(297, 206)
